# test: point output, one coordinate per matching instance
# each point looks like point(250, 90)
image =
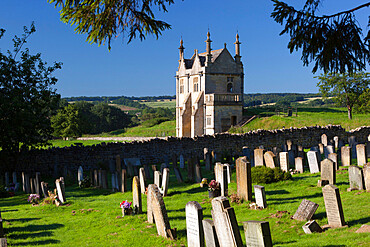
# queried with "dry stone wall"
point(56, 160)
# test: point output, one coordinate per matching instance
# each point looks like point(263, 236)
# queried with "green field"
point(91, 216)
point(164, 104)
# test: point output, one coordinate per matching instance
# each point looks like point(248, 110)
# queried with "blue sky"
point(148, 67)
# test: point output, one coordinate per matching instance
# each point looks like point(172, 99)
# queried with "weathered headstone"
point(123, 180)
point(218, 171)
point(258, 157)
point(311, 227)
point(136, 195)
point(104, 179)
point(229, 172)
point(313, 161)
point(305, 210)
point(44, 189)
point(80, 175)
point(361, 154)
point(208, 161)
point(198, 173)
point(366, 172)
point(321, 148)
point(3, 242)
point(149, 200)
point(142, 180)
point(291, 156)
point(284, 161)
point(182, 161)
point(165, 181)
point(223, 183)
point(324, 139)
point(336, 142)
point(191, 164)
point(26, 183)
point(289, 144)
point(225, 222)
point(100, 178)
point(356, 178)
point(178, 174)
point(328, 171)
point(32, 185)
point(114, 182)
point(299, 164)
point(270, 159)
point(334, 157)
point(60, 189)
point(257, 233)
point(160, 213)
point(194, 225)
point(345, 155)
point(333, 206)
point(244, 178)
point(260, 196)
point(96, 178)
point(328, 150)
point(158, 178)
point(210, 234)
point(14, 175)
point(37, 183)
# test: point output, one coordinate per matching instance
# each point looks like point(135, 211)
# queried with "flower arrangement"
point(213, 185)
point(33, 198)
point(126, 208)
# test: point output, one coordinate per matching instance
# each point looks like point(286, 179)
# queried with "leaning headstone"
point(165, 181)
point(334, 157)
point(160, 213)
point(44, 189)
point(328, 171)
point(305, 210)
point(270, 159)
point(356, 178)
point(333, 206)
point(26, 183)
point(37, 183)
point(345, 155)
point(229, 172)
point(311, 227)
point(258, 157)
point(182, 161)
point(198, 173)
point(313, 161)
point(178, 174)
point(210, 234)
point(361, 154)
point(284, 161)
point(260, 196)
point(136, 195)
point(157, 178)
point(123, 180)
point(223, 183)
point(225, 222)
point(299, 164)
point(80, 175)
point(257, 233)
point(142, 180)
point(324, 139)
point(60, 189)
point(194, 225)
point(366, 172)
point(244, 178)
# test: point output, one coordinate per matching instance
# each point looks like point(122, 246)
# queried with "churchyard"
point(331, 192)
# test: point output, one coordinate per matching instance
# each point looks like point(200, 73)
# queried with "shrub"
point(266, 175)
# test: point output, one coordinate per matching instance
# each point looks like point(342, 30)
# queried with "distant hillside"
point(266, 98)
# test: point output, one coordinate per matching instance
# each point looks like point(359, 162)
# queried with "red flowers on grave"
point(214, 189)
point(126, 208)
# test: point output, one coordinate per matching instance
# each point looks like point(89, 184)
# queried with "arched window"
point(230, 87)
point(181, 85)
point(195, 84)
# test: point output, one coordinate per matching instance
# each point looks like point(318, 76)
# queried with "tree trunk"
point(349, 112)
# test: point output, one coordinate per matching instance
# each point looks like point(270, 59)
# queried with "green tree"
point(103, 19)
point(66, 122)
point(335, 42)
point(109, 118)
point(27, 99)
point(349, 89)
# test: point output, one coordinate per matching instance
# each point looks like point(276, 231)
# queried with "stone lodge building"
point(209, 91)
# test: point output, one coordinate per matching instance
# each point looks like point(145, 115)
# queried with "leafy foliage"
point(334, 42)
point(266, 175)
point(26, 98)
point(349, 89)
point(102, 20)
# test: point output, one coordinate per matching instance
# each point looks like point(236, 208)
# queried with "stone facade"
point(209, 91)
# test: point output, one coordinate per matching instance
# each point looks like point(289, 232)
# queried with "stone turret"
point(181, 48)
point(237, 49)
point(208, 49)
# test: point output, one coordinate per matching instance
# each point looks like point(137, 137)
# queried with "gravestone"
point(345, 152)
point(147, 172)
point(324, 139)
point(100, 178)
point(333, 206)
point(260, 196)
point(284, 161)
point(243, 178)
point(289, 144)
point(218, 171)
point(248, 153)
point(311, 227)
point(104, 179)
point(96, 178)
point(123, 180)
point(174, 160)
point(191, 164)
point(366, 172)
point(149, 199)
point(328, 150)
point(305, 210)
point(356, 178)
point(154, 168)
point(158, 178)
point(182, 161)
point(291, 157)
point(32, 187)
point(60, 189)
point(194, 225)
point(44, 189)
point(258, 157)
point(299, 164)
point(321, 148)
point(313, 161)
point(7, 179)
point(198, 173)
point(270, 159)
point(142, 180)
point(229, 172)
point(159, 212)
point(130, 164)
point(114, 182)
point(328, 171)
point(208, 161)
point(163, 165)
point(37, 183)
point(80, 175)
point(334, 157)
point(223, 183)
point(3, 242)
point(336, 142)
point(14, 175)
point(178, 174)
point(257, 233)
point(26, 183)
point(361, 154)
point(165, 181)
point(136, 195)
point(315, 148)
point(225, 222)
point(210, 234)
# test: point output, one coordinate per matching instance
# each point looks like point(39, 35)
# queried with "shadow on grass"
point(277, 192)
point(32, 235)
point(35, 228)
point(319, 216)
point(287, 242)
point(359, 221)
point(40, 242)
point(293, 199)
point(22, 220)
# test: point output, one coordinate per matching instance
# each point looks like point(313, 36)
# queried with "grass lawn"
point(91, 219)
point(164, 104)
